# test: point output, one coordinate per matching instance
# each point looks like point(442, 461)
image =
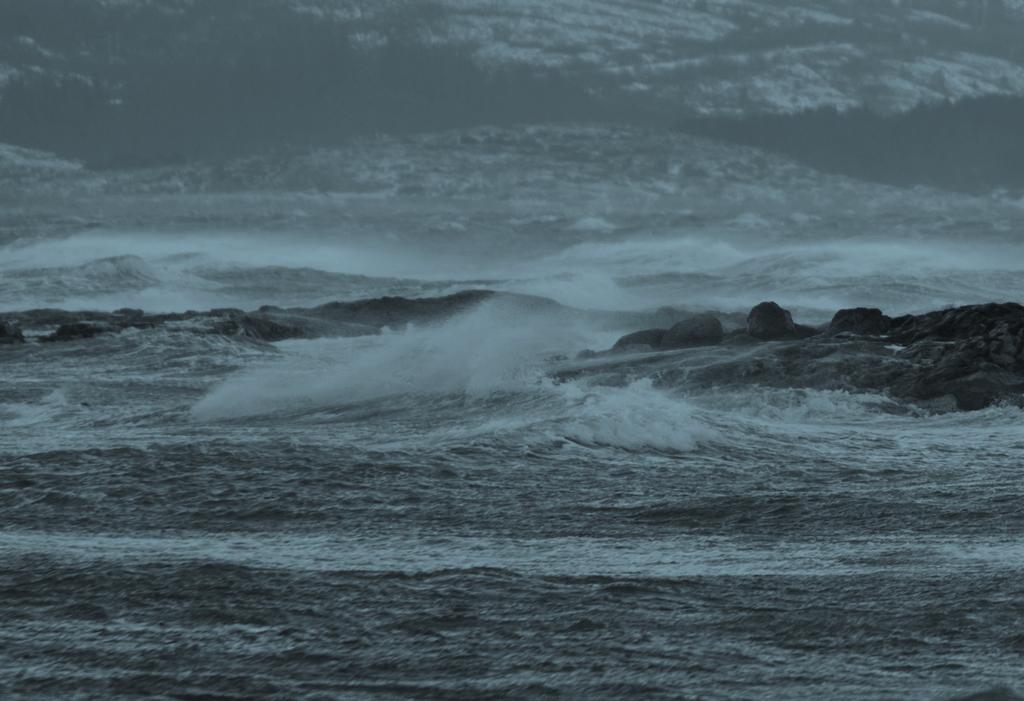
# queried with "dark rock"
point(974, 354)
point(861, 321)
point(649, 339)
point(966, 358)
point(226, 311)
point(399, 311)
point(769, 322)
point(10, 334)
point(129, 313)
point(270, 330)
point(700, 330)
point(257, 327)
point(976, 320)
point(77, 331)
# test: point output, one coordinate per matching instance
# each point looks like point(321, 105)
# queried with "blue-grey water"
point(429, 513)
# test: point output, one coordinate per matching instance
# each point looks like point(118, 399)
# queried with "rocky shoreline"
point(268, 323)
point(964, 358)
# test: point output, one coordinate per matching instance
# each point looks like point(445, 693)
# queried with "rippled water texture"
point(432, 512)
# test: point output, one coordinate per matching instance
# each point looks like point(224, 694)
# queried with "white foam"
point(495, 347)
point(18, 415)
point(634, 417)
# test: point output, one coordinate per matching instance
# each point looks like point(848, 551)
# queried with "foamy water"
point(410, 510)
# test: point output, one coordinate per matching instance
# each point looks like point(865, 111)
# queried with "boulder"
point(10, 334)
point(648, 339)
point(769, 322)
point(700, 330)
point(861, 321)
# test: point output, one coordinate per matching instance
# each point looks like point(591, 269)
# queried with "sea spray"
point(496, 346)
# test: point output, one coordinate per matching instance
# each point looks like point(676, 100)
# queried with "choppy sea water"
point(429, 513)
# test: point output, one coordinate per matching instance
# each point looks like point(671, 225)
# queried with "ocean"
point(462, 509)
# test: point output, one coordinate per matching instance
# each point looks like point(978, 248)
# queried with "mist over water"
point(475, 503)
point(596, 239)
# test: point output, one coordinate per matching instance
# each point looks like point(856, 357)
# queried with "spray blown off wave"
point(492, 361)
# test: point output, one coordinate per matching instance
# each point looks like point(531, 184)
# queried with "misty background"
point(889, 90)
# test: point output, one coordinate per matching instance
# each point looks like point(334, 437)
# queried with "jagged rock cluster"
point(268, 323)
point(970, 357)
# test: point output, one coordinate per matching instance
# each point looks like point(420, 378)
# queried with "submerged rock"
point(700, 330)
point(770, 322)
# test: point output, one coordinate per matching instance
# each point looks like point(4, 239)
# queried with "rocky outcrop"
point(959, 323)
point(766, 322)
point(356, 318)
point(861, 321)
point(974, 353)
point(257, 326)
point(400, 311)
point(770, 322)
point(965, 358)
point(700, 330)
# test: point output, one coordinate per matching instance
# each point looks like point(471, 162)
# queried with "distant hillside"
point(972, 145)
point(117, 82)
point(157, 82)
